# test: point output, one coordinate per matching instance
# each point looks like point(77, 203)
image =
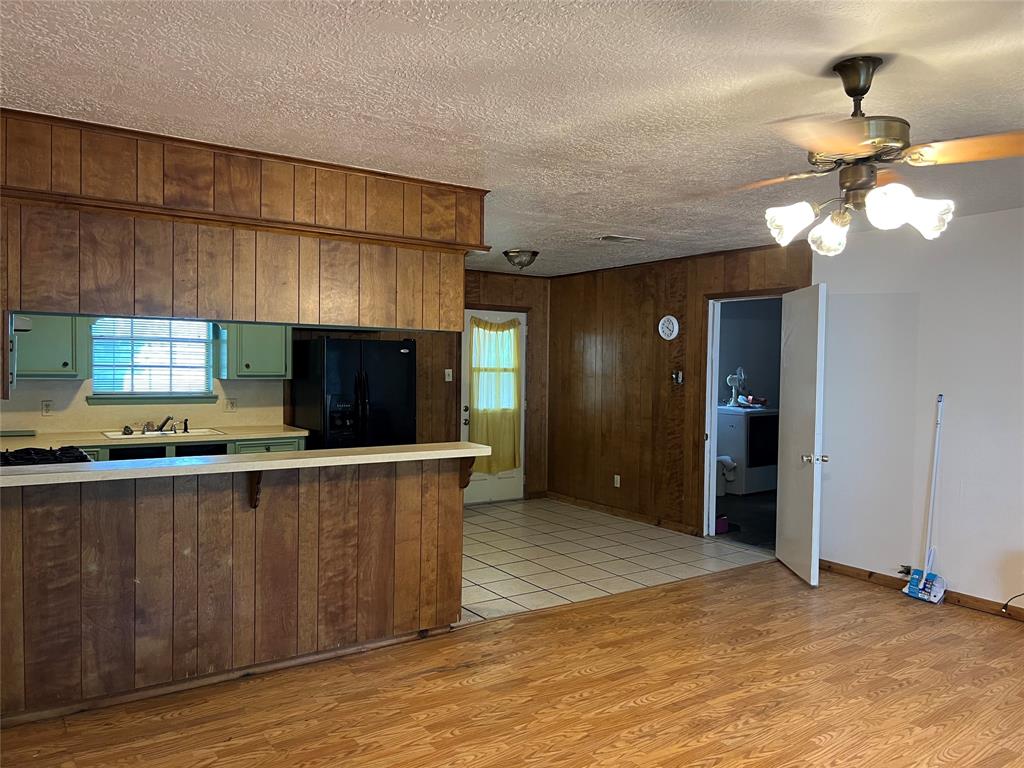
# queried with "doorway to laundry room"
point(743, 386)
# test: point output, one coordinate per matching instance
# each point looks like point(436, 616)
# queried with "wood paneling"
point(108, 587)
point(243, 285)
point(12, 629)
point(243, 575)
point(151, 172)
point(109, 166)
point(277, 278)
point(613, 408)
point(186, 270)
point(438, 207)
point(377, 286)
point(154, 267)
point(66, 160)
point(305, 194)
point(339, 282)
point(140, 171)
point(375, 583)
point(188, 177)
point(154, 587)
point(408, 521)
point(236, 189)
point(277, 196)
point(144, 584)
point(494, 290)
point(384, 206)
point(431, 290)
point(409, 303)
point(49, 259)
point(107, 264)
point(277, 568)
point(337, 557)
point(308, 559)
point(10, 250)
point(216, 267)
point(355, 202)
point(330, 198)
point(452, 287)
point(52, 562)
point(309, 280)
point(28, 154)
point(214, 573)
point(185, 661)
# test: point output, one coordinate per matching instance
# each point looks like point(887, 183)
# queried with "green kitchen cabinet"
point(57, 347)
point(254, 351)
point(270, 446)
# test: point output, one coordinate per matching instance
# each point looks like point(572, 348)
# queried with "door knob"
point(465, 422)
point(806, 458)
point(465, 409)
point(824, 458)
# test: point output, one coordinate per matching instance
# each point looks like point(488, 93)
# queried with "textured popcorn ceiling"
point(584, 118)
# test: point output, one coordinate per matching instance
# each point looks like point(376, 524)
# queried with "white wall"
point(751, 336)
point(907, 319)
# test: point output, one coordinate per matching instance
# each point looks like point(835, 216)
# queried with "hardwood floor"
point(741, 668)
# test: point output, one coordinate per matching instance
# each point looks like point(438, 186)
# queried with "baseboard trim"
point(628, 514)
point(17, 718)
point(953, 598)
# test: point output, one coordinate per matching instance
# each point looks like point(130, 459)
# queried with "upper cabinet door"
point(57, 347)
point(257, 351)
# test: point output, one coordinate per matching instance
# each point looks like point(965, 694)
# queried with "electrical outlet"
point(449, 374)
point(616, 481)
point(46, 407)
point(230, 404)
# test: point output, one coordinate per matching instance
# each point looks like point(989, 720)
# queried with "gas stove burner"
point(24, 457)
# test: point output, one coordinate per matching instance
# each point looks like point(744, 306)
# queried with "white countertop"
point(95, 438)
point(745, 409)
point(96, 471)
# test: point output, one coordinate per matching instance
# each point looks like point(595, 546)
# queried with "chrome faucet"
point(164, 423)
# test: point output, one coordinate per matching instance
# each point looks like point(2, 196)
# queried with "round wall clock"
point(668, 327)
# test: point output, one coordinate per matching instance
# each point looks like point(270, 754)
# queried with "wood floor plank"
point(773, 674)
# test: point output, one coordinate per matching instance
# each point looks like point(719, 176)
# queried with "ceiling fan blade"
point(824, 135)
point(780, 180)
point(974, 149)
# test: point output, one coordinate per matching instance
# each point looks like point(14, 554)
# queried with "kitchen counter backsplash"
point(258, 403)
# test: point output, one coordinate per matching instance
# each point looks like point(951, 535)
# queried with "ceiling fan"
point(856, 147)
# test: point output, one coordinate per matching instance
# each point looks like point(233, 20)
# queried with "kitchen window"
point(151, 359)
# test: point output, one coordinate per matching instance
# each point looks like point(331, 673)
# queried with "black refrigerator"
point(351, 393)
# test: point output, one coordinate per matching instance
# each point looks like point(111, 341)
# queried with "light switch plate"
point(46, 407)
point(449, 374)
point(616, 481)
point(230, 404)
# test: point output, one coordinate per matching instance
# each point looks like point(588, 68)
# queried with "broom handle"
point(929, 549)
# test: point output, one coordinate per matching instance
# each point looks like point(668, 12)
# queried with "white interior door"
point(800, 414)
point(503, 485)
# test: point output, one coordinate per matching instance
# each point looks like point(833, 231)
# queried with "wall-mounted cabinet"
point(56, 347)
point(254, 351)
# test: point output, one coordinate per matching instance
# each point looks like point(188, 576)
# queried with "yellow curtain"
point(494, 393)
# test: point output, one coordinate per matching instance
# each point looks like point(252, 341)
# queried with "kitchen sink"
point(196, 432)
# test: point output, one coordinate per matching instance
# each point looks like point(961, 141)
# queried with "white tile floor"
point(526, 555)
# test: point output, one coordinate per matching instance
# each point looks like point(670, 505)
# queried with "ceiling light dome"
point(786, 222)
point(890, 206)
point(829, 237)
point(930, 217)
point(520, 257)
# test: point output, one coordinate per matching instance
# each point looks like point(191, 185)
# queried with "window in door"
point(143, 357)
point(494, 393)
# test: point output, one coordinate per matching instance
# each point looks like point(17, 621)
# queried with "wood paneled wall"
point(116, 586)
point(78, 161)
point(55, 258)
point(613, 407)
point(437, 400)
point(520, 293)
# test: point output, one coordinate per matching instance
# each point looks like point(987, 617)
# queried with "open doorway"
point(493, 401)
point(744, 353)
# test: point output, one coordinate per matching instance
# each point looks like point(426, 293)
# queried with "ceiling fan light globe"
point(889, 206)
point(828, 238)
point(786, 222)
point(930, 217)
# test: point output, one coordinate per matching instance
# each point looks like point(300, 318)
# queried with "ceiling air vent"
point(621, 239)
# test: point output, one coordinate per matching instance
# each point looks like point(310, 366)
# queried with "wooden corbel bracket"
point(465, 470)
point(255, 486)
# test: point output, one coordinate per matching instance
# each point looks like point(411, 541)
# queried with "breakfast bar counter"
point(131, 578)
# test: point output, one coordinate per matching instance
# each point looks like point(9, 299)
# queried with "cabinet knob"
point(65, 364)
point(248, 366)
point(266, 448)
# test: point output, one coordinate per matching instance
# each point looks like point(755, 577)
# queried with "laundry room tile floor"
point(533, 554)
